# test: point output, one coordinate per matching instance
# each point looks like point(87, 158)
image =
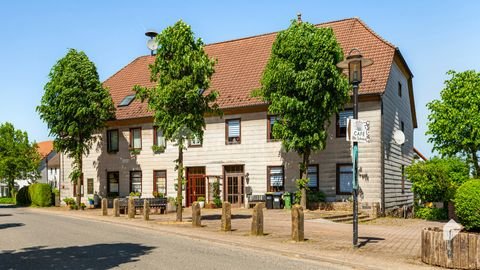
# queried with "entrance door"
point(234, 178)
point(195, 184)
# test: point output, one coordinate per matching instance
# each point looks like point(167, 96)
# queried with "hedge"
point(40, 194)
point(467, 205)
point(23, 198)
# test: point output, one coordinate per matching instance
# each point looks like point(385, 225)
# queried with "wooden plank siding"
point(396, 109)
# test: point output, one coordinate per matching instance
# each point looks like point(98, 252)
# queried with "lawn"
point(7, 200)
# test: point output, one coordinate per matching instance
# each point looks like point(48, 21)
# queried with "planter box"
point(463, 252)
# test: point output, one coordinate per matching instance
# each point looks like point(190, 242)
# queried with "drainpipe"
point(382, 145)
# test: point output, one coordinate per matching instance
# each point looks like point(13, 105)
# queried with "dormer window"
point(126, 101)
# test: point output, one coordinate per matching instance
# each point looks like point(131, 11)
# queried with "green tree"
point(437, 179)
point(182, 72)
point(304, 87)
point(19, 158)
point(454, 120)
point(75, 107)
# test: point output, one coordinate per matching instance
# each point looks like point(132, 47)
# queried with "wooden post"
point(298, 233)
point(131, 208)
point(226, 217)
point(104, 207)
point(146, 210)
point(257, 220)
point(116, 207)
point(196, 215)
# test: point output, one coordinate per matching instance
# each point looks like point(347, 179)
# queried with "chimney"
point(299, 17)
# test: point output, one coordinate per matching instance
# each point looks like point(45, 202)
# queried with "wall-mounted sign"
point(358, 130)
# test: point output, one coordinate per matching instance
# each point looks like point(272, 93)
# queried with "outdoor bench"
point(155, 203)
point(254, 199)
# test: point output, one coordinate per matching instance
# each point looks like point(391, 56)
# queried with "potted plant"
point(157, 149)
point(83, 206)
point(135, 195)
point(91, 201)
point(171, 205)
point(201, 201)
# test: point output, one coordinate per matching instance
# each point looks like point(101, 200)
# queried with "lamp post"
point(354, 63)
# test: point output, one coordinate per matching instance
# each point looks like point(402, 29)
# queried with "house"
point(49, 167)
point(238, 149)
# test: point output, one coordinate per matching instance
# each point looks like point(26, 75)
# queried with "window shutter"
point(312, 176)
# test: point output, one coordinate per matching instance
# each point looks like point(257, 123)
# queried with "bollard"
point(146, 210)
point(257, 220)
point(131, 208)
point(298, 232)
point(116, 207)
point(226, 217)
point(196, 215)
point(104, 207)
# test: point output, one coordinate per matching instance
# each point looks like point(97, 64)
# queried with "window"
point(399, 89)
point(135, 138)
point(112, 140)
point(160, 182)
point(312, 175)
point(275, 178)
point(136, 181)
point(75, 187)
point(402, 126)
point(271, 119)
point(113, 180)
point(158, 138)
point(89, 185)
point(195, 141)
point(232, 132)
point(403, 179)
point(342, 122)
point(344, 179)
point(126, 101)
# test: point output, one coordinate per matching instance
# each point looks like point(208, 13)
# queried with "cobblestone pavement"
point(386, 243)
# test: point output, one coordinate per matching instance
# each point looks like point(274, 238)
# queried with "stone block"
point(104, 207)
point(196, 215)
point(257, 220)
point(146, 210)
point(298, 232)
point(131, 208)
point(226, 217)
point(116, 207)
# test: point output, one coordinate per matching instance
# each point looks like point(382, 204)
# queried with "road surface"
point(32, 239)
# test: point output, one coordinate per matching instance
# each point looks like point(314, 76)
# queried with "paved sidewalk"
point(386, 243)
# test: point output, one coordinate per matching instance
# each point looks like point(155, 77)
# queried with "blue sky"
point(434, 36)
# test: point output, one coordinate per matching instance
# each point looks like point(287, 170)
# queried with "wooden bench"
point(254, 199)
point(155, 203)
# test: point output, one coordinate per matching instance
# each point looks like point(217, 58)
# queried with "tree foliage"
point(467, 205)
point(19, 158)
point(180, 100)
point(454, 121)
point(304, 87)
point(437, 179)
point(75, 106)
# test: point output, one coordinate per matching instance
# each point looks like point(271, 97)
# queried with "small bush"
point(23, 198)
point(40, 194)
point(315, 196)
point(217, 202)
point(69, 201)
point(467, 205)
point(201, 199)
point(432, 213)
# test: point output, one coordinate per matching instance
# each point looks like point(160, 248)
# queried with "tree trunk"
point(79, 181)
point(304, 175)
point(476, 167)
point(11, 187)
point(179, 182)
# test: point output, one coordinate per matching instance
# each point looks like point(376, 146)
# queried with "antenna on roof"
point(299, 17)
point(151, 43)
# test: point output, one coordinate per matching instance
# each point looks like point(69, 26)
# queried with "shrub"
point(431, 213)
point(467, 205)
point(23, 198)
point(69, 201)
point(217, 202)
point(201, 199)
point(7, 200)
point(40, 194)
point(315, 196)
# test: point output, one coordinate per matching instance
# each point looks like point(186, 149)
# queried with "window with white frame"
point(233, 131)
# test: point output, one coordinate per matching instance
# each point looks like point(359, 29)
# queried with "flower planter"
point(202, 204)
point(463, 252)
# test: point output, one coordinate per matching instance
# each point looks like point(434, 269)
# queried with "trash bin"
point(269, 200)
point(287, 200)
point(277, 200)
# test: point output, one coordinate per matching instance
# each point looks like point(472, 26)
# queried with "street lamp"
point(354, 63)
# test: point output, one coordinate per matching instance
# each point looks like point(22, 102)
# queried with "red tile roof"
point(240, 64)
point(44, 148)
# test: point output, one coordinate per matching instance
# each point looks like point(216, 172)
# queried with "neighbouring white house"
point(238, 149)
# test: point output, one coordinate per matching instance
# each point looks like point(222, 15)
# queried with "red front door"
point(195, 184)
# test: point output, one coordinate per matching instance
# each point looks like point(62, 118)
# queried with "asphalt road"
point(37, 240)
